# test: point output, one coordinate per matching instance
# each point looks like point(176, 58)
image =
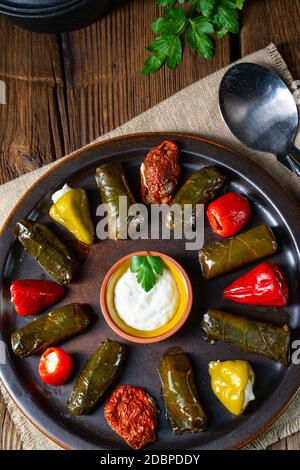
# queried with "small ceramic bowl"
point(142, 336)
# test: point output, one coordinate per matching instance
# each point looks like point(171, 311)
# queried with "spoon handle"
point(293, 160)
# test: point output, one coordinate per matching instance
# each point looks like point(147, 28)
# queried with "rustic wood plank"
point(102, 63)
point(33, 122)
point(289, 443)
point(280, 445)
point(293, 442)
point(64, 91)
point(277, 21)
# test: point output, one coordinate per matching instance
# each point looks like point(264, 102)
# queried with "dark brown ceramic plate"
point(275, 386)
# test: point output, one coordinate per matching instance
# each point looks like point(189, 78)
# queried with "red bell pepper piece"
point(263, 285)
point(30, 296)
point(55, 366)
point(228, 214)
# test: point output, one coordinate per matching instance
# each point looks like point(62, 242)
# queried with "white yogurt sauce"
point(146, 310)
point(248, 394)
point(56, 196)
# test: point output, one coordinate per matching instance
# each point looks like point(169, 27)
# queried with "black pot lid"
point(37, 5)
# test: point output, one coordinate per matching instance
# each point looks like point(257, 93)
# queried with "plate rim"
point(132, 137)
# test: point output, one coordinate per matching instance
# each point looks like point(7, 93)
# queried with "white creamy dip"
point(56, 196)
point(146, 310)
point(248, 394)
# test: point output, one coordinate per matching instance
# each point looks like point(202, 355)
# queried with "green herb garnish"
point(195, 24)
point(147, 269)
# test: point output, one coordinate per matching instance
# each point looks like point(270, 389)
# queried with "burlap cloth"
point(193, 110)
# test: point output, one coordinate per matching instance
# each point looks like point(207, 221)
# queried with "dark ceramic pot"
point(53, 16)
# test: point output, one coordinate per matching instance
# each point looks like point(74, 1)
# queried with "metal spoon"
point(261, 112)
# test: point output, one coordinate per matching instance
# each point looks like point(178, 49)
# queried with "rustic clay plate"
point(275, 386)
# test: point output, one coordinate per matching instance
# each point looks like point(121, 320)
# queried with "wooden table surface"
point(65, 90)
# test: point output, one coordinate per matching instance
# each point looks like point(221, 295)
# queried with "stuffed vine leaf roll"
point(251, 335)
point(227, 255)
point(113, 185)
point(198, 189)
point(51, 254)
point(180, 395)
point(96, 376)
point(59, 325)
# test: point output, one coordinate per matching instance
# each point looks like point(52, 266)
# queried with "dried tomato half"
point(160, 173)
point(131, 412)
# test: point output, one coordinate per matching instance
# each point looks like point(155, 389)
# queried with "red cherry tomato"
point(228, 214)
point(55, 366)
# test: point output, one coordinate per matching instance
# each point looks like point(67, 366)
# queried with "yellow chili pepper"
point(232, 383)
point(73, 212)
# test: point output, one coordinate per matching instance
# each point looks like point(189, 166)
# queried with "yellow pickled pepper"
point(229, 380)
point(73, 212)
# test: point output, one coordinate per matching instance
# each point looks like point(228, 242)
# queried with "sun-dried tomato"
point(131, 412)
point(160, 173)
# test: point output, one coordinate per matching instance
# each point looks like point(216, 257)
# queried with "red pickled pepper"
point(30, 296)
point(263, 285)
point(228, 214)
point(55, 366)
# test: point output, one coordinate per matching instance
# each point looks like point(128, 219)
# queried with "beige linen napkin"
point(193, 110)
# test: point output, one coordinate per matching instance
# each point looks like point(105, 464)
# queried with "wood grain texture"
point(276, 21)
point(33, 120)
point(102, 63)
point(64, 91)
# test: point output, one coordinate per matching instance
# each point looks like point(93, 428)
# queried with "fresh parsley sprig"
point(195, 24)
point(147, 269)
